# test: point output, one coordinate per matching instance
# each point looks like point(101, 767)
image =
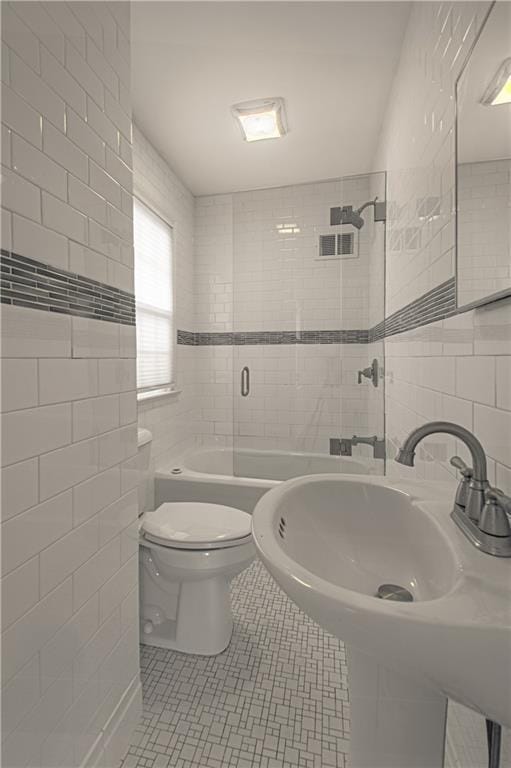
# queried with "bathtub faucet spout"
point(343, 446)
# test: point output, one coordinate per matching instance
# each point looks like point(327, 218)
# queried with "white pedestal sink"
point(330, 542)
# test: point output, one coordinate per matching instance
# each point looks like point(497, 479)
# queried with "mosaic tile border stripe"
point(241, 338)
point(33, 284)
point(434, 305)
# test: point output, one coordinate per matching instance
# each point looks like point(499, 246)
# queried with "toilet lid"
point(193, 525)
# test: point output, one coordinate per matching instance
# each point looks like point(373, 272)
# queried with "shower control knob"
point(148, 627)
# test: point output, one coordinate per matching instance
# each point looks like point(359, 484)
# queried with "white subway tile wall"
point(417, 148)
point(68, 384)
point(69, 565)
point(484, 231)
point(447, 368)
point(258, 268)
point(214, 370)
point(213, 253)
point(281, 283)
point(170, 418)
point(454, 369)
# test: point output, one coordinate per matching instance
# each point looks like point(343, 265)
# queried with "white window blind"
point(154, 300)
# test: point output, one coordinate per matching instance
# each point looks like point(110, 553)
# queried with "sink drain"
point(394, 592)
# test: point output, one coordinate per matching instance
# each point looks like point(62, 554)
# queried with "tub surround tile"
point(241, 338)
point(433, 306)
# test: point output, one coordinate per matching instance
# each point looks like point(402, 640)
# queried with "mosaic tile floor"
point(276, 698)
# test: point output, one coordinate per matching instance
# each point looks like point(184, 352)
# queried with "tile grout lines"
point(276, 698)
point(434, 305)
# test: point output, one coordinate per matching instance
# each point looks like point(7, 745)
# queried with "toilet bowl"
point(188, 554)
point(184, 583)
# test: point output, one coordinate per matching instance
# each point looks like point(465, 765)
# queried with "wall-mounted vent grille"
point(341, 244)
point(328, 245)
point(345, 243)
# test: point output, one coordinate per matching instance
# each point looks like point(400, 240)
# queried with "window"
point(154, 302)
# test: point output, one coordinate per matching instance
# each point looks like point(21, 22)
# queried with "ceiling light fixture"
point(499, 90)
point(261, 119)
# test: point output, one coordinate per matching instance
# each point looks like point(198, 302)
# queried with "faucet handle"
point(466, 471)
point(494, 520)
point(496, 496)
point(463, 488)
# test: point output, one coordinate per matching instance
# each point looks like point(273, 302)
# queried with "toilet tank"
point(144, 460)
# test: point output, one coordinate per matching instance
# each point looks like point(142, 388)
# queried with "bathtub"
point(238, 478)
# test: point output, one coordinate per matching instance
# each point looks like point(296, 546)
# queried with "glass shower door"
point(306, 296)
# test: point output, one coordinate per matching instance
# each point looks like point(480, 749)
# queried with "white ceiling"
point(484, 133)
point(333, 62)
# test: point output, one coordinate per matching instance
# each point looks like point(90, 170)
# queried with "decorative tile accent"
point(241, 338)
point(188, 338)
point(276, 698)
point(434, 305)
point(29, 283)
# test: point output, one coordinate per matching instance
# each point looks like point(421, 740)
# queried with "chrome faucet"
point(479, 510)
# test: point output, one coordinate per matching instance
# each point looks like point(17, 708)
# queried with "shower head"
point(346, 215)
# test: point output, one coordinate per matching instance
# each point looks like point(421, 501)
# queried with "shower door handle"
point(245, 381)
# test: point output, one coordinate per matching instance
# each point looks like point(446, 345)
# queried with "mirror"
point(483, 188)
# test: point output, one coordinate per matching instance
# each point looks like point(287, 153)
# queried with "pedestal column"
point(395, 721)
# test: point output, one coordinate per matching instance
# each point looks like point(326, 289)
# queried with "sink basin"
point(357, 536)
point(330, 542)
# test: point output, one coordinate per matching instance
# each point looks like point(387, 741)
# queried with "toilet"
point(188, 552)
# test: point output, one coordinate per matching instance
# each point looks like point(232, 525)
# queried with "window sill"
point(145, 397)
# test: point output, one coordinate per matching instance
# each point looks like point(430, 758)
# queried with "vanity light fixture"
point(499, 89)
point(261, 119)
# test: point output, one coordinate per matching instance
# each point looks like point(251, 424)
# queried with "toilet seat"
point(196, 526)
